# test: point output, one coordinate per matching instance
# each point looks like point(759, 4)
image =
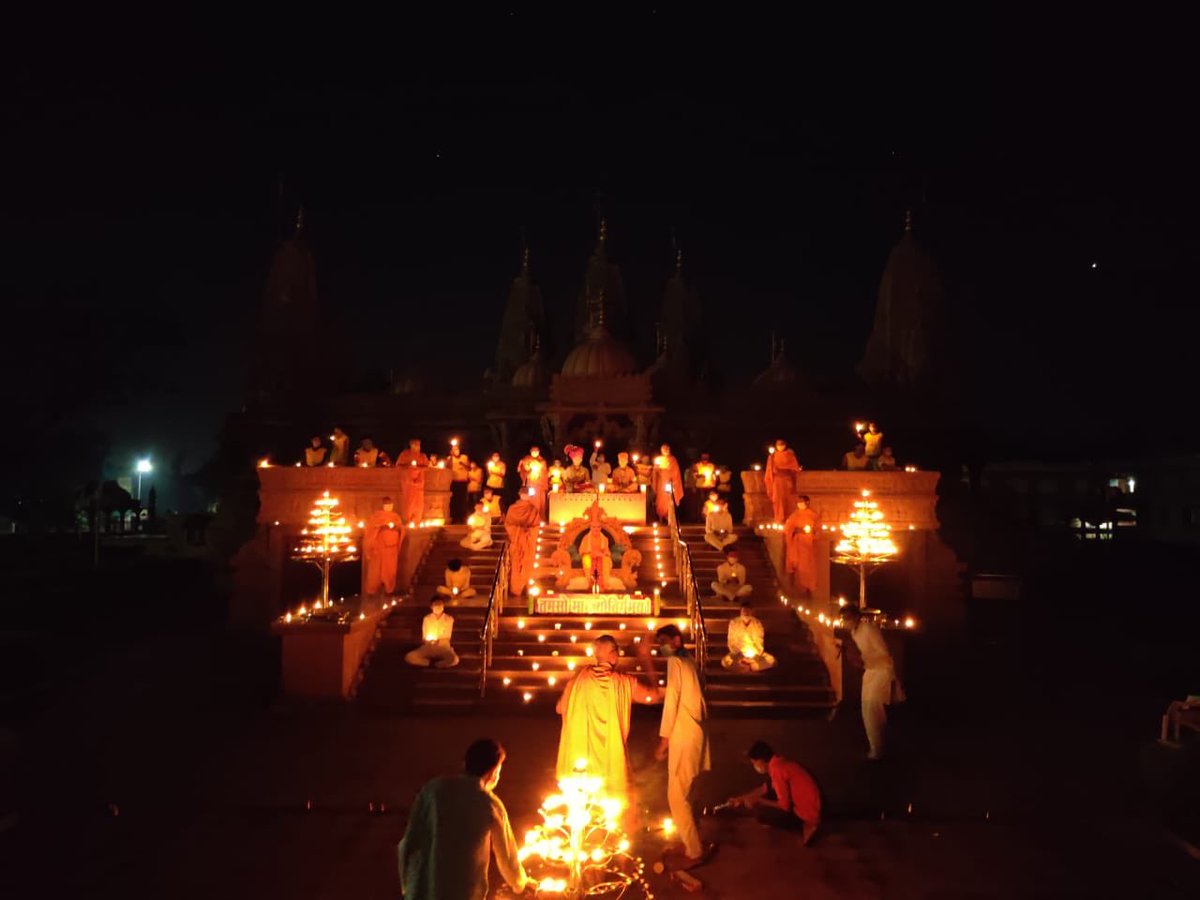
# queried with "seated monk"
point(315, 453)
point(456, 580)
point(857, 460)
point(479, 530)
point(746, 643)
point(367, 454)
point(575, 477)
point(624, 476)
point(492, 507)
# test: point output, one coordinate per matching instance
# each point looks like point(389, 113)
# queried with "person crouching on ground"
point(790, 799)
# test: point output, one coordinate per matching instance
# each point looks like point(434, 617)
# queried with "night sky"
point(1054, 180)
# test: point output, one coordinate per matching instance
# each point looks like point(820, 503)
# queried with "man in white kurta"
point(455, 825)
point(436, 629)
point(746, 644)
point(731, 578)
point(682, 739)
point(880, 686)
point(479, 530)
point(718, 525)
point(595, 708)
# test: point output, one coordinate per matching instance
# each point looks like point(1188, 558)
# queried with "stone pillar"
point(822, 593)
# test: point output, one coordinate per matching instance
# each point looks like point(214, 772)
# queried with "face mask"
point(666, 650)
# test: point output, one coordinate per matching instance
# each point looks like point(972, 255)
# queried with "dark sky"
point(140, 201)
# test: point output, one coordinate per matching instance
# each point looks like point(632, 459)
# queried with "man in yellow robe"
point(340, 453)
point(496, 470)
point(315, 453)
point(595, 707)
point(382, 537)
point(624, 476)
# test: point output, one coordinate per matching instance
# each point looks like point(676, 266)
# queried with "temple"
point(578, 555)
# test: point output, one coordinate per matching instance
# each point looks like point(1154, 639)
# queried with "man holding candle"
point(456, 581)
point(456, 824)
point(535, 479)
point(460, 476)
point(382, 537)
point(436, 629)
point(746, 643)
point(668, 483)
point(415, 464)
point(780, 479)
point(624, 476)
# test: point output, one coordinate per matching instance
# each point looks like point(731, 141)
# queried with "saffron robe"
point(521, 525)
point(800, 537)
point(595, 709)
point(668, 484)
point(412, 485)
point(382, 537)
point(780, 482)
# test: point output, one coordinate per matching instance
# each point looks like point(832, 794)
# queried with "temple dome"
point(599, 355)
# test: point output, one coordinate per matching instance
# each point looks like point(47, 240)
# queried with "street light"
point(143, 468)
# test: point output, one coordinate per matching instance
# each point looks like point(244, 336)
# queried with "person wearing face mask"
point(789, 799)
point(382, 536)
point(683, 742)
point(780, 478)
point(414, 465)
point(456, 825)
point(436, 631)
point(880, 686)
point(624, 476)
point(731, 578)
point(800, 543)
point(745, 640)
point(535, 479)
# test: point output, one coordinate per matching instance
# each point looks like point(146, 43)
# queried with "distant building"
point(1095, 501)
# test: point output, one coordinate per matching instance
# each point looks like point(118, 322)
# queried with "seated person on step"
point(456, 580)
point(436, 629)
point(731, 578)
point(886, 461)
point(718, 523)
point(479, 530)
point(492, 506)
point(746, 651)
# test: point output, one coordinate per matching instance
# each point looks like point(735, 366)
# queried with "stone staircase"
point(389, 684)
point(533, 656)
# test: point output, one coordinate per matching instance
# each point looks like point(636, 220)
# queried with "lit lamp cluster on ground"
point(580, 849)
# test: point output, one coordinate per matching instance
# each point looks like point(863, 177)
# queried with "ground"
point(144, 753)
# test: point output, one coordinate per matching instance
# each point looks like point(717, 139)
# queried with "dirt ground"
point(155, 778)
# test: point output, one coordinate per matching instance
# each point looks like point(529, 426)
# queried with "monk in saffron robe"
point(412, 482)
point(780, 479)
point(668, 482)
point(595, 707)
point(800, 540)
point(521, 525)
point(382, 537)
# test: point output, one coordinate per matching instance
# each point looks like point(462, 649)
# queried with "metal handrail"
point(491, 616)
point(690, 589)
